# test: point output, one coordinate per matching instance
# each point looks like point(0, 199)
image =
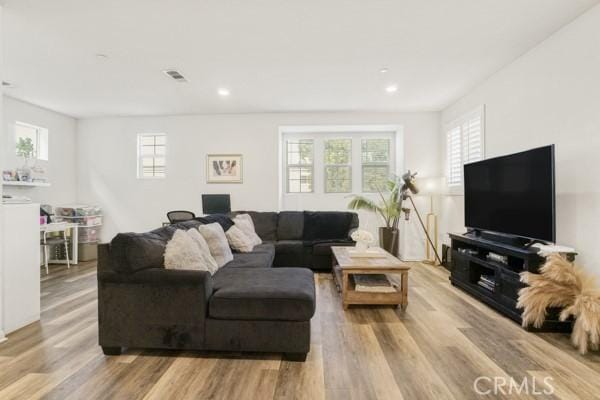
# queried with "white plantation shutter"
point(471, 137)
point(454, 157)
point(464, 144)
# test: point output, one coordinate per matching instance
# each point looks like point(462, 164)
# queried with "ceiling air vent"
point(175, 75)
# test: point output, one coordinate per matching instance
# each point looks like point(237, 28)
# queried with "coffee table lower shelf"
point(350, 296)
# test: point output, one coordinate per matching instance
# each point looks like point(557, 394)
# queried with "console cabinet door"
point(509, 288)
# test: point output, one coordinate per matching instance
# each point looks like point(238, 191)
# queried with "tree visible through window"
point(31, 141)
point(338, 161)
point(375, 164)
point(299, 155)
point(152, 155)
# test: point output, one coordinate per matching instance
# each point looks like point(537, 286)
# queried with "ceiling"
point(273, 55)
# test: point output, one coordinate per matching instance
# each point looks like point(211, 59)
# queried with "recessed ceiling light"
point(101, 56)
point(223, 92)
point(391, 88)
point(383, 70)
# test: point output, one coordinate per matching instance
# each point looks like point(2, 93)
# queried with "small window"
point(152, 155)
point(464, 144)
point(375, 164)
point(338, 169)
point(31, 141)
point(299, 156)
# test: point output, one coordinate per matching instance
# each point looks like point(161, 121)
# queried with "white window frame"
point(457, 145)
point(374, 164)
point(40, 132)
point(311, 166)
point(318, 132)
point(140, 157)
point(349, 164)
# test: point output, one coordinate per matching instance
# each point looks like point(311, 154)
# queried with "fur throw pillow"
point(217, 243)
point(245, 224)
point(238, 240)
point(182, 252)
point(203, 246)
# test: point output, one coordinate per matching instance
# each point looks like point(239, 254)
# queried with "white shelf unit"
point(25, 184)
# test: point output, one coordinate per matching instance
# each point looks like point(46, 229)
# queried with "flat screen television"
point(512, 194)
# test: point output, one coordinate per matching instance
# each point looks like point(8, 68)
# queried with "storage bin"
point(88, 251)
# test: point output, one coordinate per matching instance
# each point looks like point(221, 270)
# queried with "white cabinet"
point(21, 266)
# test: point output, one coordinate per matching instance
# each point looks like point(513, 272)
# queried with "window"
point(464, 144)
point(338, 169)
point(31, 141)
point(151, 155)
point(375, 164)
point(299, 159)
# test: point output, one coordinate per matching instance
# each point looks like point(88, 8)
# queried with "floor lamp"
point(410, 188)
point(430, 187)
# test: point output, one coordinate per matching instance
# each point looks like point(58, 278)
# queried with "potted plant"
point(25, 149)
point(388, 208)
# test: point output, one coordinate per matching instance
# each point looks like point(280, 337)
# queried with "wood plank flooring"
point(436, 349)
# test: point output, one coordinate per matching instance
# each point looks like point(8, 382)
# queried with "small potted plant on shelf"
point(26, 151)
point(388, 208)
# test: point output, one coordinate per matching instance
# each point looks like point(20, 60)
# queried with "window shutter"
point(472, 144)
point(454, 157)
point(464, 144)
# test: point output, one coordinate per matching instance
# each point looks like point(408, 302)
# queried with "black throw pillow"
point(220, 219)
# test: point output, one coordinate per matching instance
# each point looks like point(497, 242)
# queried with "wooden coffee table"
point(344, 265)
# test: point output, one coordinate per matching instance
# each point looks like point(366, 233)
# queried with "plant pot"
point(388, 240)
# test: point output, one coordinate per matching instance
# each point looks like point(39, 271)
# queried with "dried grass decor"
point(562, 284)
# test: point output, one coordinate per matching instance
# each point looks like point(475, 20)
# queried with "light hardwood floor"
point(433, 350)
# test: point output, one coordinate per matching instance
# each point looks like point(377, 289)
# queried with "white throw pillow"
point(203, 246)
point(183, 253)
point(238, 240)
point(217, 243)
point(245, 224)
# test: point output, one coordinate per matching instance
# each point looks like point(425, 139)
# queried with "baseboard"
point(2, 336)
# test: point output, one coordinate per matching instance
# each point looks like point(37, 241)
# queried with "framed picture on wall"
point(224, 168)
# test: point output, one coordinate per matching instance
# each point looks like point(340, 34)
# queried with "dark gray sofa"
point(245, 306)
point(304, 238)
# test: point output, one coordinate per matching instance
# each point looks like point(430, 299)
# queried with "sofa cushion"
point(217, 243)
point(131, 252)
point(265, 247)
point(220, 219)
point(245, 224)
point(265, 223)
point(290, 225)
point(182, 252)
point(327, 225)
point(324, 248)
point(251, 260)
point(282, 294)
point(289, 247)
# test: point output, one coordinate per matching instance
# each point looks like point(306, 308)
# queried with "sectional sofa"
point(261, 301)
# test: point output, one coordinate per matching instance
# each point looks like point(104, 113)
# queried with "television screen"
point(512, 194)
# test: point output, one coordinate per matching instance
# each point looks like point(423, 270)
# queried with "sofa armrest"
point(153, 308)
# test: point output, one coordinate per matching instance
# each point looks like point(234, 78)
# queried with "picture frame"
point(224, 168)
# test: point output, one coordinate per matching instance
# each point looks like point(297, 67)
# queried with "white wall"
point(549, 95)
point(2, 146)
point(61, 169)
point(106, 150)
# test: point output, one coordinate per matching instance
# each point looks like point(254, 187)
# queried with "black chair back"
point(180, 216)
